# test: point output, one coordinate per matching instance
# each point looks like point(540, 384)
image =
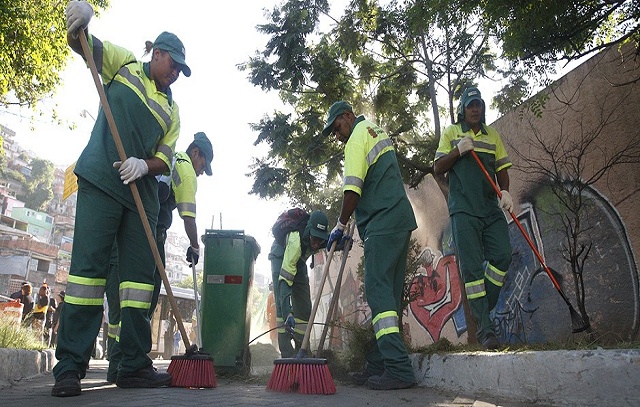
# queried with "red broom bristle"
point(192, 371)
point(304, 376)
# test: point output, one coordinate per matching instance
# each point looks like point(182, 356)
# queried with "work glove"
point(506, 202)
point(465, 145)
point(337, 235)
point(79, 14)
point(193, 255)
point(131, 169)
point(290, 324)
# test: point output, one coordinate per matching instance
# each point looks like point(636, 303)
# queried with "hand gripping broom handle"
point(333, 306)
point(517, 222)
point(307, 333)
point(134, 187)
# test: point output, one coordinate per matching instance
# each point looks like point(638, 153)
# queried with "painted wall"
point(585, 109)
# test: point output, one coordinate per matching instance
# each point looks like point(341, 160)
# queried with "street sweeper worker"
point(373, 189)
point(478, 223)
point(148, 122)
point(291, 280)
point(177, 190)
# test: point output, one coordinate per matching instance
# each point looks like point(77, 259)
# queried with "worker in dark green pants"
point(373, 190)
point(479, 226)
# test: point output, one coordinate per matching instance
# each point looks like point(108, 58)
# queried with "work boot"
point(360, 378)
point(386, 382)
point(146, 377)
point(490, 341)
point(112, 377)
point(67, 385)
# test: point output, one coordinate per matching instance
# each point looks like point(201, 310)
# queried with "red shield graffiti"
point(437, 295)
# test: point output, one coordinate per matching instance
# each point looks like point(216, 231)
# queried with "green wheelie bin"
point(229, 257)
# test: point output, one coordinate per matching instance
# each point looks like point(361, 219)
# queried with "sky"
point(217, 99)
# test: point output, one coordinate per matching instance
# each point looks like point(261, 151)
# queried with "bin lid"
point(232, 234)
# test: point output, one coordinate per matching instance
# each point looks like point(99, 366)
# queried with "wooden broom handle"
point(336, 291)
point(134, 187)
point(325, 272)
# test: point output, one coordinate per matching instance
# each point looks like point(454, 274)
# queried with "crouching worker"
point(294, 243)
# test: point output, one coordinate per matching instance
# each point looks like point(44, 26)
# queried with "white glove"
point(131, 169)
point(79, 14)
point(465, 145)
point(506, 202)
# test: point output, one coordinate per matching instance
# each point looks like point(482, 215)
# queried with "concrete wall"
point(585, 109)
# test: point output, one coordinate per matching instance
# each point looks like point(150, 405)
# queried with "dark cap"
point(470, 95)
point(202, 142)
point(319, 225)
point(335, 110)
point(169, 42)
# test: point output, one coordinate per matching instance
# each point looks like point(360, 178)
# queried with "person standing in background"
point(480, 231)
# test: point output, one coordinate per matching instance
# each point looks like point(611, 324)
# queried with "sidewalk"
point(478, 379)
point(229, 393)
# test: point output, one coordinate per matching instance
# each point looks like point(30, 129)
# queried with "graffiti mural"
point(530, 309)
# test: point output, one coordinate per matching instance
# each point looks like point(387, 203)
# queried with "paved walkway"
point(229, 393)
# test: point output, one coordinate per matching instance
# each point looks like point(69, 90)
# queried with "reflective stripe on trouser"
point(100, 220)
point(484, 254)
point(113, 299)
point(297, 299)
point(385, 260)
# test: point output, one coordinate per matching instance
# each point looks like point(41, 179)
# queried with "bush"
point(14, 335)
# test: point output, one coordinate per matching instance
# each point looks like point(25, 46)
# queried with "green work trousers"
point(385, 262)
point(481, 242)
point(113, 299)
point(101, 220)
point(296, 298)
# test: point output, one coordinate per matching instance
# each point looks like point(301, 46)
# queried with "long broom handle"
point(325, 272)
point(134, 187)
point(336, 291)
point(517, 222)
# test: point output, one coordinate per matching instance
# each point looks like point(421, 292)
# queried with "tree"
point(38, 185)
point(33, 49)
point(536, 36)
point(568, 163)
point(404, 64)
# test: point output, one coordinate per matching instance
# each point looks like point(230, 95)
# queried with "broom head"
point(193, 369)
point(301, 375)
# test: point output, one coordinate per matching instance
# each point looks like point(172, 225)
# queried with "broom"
point(578, 324)
point(196, 368)
point(333, 305)
point(302, 374)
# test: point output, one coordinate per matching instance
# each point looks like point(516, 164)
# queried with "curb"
point(585, 378)
point(20, 364)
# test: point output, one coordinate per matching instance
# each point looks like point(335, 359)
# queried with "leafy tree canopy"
point(404, 65)
point(33, 49)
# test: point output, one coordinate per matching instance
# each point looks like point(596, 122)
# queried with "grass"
point(16, 336)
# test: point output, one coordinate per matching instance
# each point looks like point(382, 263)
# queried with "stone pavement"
point(230, 392)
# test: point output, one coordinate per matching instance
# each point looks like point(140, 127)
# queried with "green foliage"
point(394, 62)
point(16, 336)
point(38, 186)
point(33, 49)
point(549, 30)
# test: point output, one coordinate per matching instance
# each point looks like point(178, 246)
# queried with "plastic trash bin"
point(229, 257)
